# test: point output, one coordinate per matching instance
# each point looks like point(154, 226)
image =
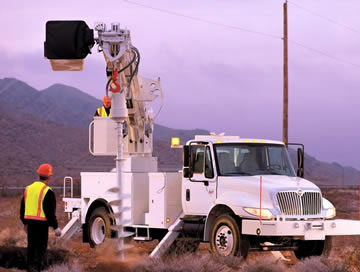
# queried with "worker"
point(104, 111)
point(38, 212)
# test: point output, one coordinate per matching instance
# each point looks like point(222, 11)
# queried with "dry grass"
point(74, 267)
point(13, 238)
point(319, 264)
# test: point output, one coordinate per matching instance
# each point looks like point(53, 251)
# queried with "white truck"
point(236, 194)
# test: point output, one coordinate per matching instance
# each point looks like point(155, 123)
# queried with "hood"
point(244, 191)
point(270, 183)
point(238, 192)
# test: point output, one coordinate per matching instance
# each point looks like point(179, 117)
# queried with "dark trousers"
point(38, 234)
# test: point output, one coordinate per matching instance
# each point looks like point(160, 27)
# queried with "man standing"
point(38, 212)
point(104, 111)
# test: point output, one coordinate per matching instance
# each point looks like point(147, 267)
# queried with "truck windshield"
point(253, 159)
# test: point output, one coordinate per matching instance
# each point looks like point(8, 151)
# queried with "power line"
point(324, 54)
point(268, 35)
point(324, 17)
point(243, 30)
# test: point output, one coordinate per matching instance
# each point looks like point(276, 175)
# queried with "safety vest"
point(34, 197)
point(102, 112)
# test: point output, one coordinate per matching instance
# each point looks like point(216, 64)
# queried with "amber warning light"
point(175, 142)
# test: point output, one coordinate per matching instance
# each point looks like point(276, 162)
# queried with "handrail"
point(71, 184)
point(90, 134)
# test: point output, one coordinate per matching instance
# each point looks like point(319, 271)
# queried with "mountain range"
point(51, 125)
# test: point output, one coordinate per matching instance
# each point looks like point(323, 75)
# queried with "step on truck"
point(234, 193)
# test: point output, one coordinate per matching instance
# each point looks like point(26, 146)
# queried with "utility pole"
point(285, 95)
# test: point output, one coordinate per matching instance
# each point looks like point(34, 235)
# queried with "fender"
point(233, 203)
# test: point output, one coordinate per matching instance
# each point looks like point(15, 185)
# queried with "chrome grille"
point(292, 203)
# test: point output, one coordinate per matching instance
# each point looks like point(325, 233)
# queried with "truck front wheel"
point(226, 239)
point(99, 226)
point(313, 248)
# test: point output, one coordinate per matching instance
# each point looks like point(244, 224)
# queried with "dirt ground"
point(84, 258)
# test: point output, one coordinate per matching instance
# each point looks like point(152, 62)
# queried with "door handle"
point(187, 194)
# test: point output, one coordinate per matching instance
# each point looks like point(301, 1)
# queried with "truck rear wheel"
point(313, 248)
point(226, 239)
point(99, 226)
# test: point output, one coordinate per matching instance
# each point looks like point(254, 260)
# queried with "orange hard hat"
point(45, 170)
point(107, 101)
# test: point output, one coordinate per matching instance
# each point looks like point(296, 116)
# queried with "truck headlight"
point(330, 213)
point(265, 213)
point(329, 207)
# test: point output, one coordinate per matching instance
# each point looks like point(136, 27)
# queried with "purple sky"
point(217, 78)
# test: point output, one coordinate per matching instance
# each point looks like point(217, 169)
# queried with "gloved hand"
point(58, 232)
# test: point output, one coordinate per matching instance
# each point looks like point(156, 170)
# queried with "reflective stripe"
point(35, 218)
point(25, 192)
point(40, 200)
point(102, 112)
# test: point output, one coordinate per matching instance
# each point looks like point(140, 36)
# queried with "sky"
point(222, 71)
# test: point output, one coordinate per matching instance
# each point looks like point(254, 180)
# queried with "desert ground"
point(77, 256)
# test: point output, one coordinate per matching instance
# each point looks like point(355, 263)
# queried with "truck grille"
point(292, 203)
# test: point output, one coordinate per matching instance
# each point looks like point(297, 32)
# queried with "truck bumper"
point(307, 230)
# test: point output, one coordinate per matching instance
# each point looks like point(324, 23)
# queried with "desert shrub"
point(189, 263)
point(12, 237)
point(321, 264)
point(265, 265)
point(351, 257)
point(74, 267)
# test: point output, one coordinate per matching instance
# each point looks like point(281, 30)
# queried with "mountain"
point(68, 106)
point(51, 126)
point(324, 173)
point(59, 103)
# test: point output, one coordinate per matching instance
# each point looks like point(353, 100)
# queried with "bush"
point(188, 263)
point(13, 237)
point(75, 267)
point(321, 264)
point(265, 265)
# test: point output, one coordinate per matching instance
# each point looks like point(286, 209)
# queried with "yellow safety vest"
point(34, 197)
point(102, 112)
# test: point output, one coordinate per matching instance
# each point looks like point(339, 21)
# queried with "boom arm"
point(129, 92)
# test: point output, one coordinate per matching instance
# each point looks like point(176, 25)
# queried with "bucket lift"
point(128, 132)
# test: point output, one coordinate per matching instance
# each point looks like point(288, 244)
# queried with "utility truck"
point(236, 194)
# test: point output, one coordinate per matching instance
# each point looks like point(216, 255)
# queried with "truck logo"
point(300, 192)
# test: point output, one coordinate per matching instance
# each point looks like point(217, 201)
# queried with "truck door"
point(199, 191)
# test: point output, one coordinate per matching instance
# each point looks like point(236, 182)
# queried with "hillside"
point(51, 125)
point(68, 106)
point(27, 141)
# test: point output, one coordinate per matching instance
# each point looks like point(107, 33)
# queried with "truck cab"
point(247, 179)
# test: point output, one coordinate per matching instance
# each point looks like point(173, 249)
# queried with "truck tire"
point(226, 239)
point(99, 226)
point(313, 248)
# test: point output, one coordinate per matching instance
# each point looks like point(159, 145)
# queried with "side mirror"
point(300, 157)
point(186, 156)
point(187, 169)
point(187, 173)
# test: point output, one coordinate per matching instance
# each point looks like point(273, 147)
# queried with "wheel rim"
point(98, 230)
point(224, 241)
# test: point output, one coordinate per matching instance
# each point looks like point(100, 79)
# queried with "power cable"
point(268, 35)
point(324, 54)
point(251, 31)
point(324, 17)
